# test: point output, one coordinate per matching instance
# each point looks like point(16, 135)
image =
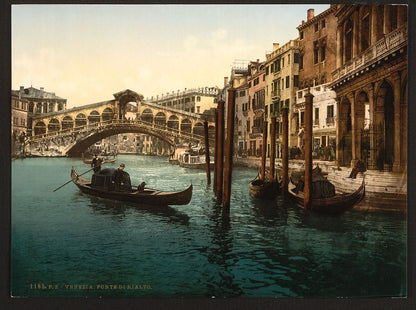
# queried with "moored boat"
point(105, 160)
point(339, 203)
point(101, 186)
point(264, 189)
point(187, 160)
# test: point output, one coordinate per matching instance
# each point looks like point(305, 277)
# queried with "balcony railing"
point(276, 93)
point(330, 120)
point(383, 47)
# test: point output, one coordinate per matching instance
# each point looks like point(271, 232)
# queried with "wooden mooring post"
point(285, 151)
point(219, 163)
point(307, 198)
point(228, 159)
point(207, 158)
point(263, 153)
point(215, 152)
point(272, 149)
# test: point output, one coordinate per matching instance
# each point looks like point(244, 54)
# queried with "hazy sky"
point(86, 53)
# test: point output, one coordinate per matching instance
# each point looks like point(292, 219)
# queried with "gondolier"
point(96, 163)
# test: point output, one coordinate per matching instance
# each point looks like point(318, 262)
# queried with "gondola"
point(337, 204)
point(105, 160)
point(104, 188)
point(295, 176)
point(264, 189)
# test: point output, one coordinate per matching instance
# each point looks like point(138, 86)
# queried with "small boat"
point(104, 188)
point(187, 160)
point(105, 160)
point(264, 189)
point(337, 204)
point(297, 175)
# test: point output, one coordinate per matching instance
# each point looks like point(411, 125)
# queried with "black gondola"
point(101, 186)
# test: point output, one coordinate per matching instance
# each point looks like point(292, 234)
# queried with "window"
point(330, 111)
point(288, 59)
point(348, 40)
point(283, 83)
point(242, 93)
point(198, 109)
point(22, 122)
point(283, 62)
point(300, 94)
point(198, 99)
point(302, 118)
point(287, 103)
point(316, 113)
point(267, 70)
point(323, 53)
point(315, 52)
point(296, 81)
point(323, 24)
point(287, 82)
point(393, 17)
point(316, 27)
point(365, 33)
point(300, 62)
point(301, 35)
point(296, 58)
point(256, 81)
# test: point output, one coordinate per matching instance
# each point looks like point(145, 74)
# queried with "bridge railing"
point(89, 127)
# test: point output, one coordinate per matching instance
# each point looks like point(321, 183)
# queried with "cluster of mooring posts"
point(223, 152)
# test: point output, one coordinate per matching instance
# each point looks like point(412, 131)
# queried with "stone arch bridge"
point(70, 132)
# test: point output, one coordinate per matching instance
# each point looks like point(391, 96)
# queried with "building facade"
point(317, 61)
point(370, 81)
point(39, 102)
point(197, 100)
point(281, 84)
point(255, 111)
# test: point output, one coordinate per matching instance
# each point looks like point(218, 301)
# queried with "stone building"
point(371, 85)
point(281, 84)
point(196, 100)
point(241, 113)
point(255, 114)
point(317, 61)
point(39, 102)
point(18, 121)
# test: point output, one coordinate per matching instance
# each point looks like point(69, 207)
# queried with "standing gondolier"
point(96, 163)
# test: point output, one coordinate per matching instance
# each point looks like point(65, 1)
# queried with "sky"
point(87, 53)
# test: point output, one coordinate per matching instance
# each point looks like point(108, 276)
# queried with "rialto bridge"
point(70, 132)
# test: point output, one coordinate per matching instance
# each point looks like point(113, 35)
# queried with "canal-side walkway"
point(385, 191)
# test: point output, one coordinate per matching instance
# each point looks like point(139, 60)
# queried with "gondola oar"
point(71, 180)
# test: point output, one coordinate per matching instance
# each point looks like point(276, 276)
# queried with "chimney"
point(41, 89)
point(225, 81)
point(311, 14)
point(275, 46)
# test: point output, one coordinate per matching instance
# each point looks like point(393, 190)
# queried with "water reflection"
point(120, 209)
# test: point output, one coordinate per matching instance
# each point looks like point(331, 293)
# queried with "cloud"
point(219, 34)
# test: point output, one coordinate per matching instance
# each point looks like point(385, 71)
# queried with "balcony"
point(330, 121)
point(275, 94)
point(391, 42)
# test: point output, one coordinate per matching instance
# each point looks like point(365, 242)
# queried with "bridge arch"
point(54, 125)
point(160, 119)
point(94, 117)
point(40, 128)
point(80, 120)
point(147, 116)
point(67, 122)
point(173, 122)
point(199, 129)
point(186, 125)
point(107, 114)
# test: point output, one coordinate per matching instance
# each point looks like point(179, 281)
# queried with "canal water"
point(68, 244)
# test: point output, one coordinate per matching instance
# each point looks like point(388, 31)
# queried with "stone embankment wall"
point(385, 191)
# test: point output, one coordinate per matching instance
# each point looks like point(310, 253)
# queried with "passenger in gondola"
point(121, 179)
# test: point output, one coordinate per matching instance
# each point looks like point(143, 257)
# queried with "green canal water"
point(68, 244)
